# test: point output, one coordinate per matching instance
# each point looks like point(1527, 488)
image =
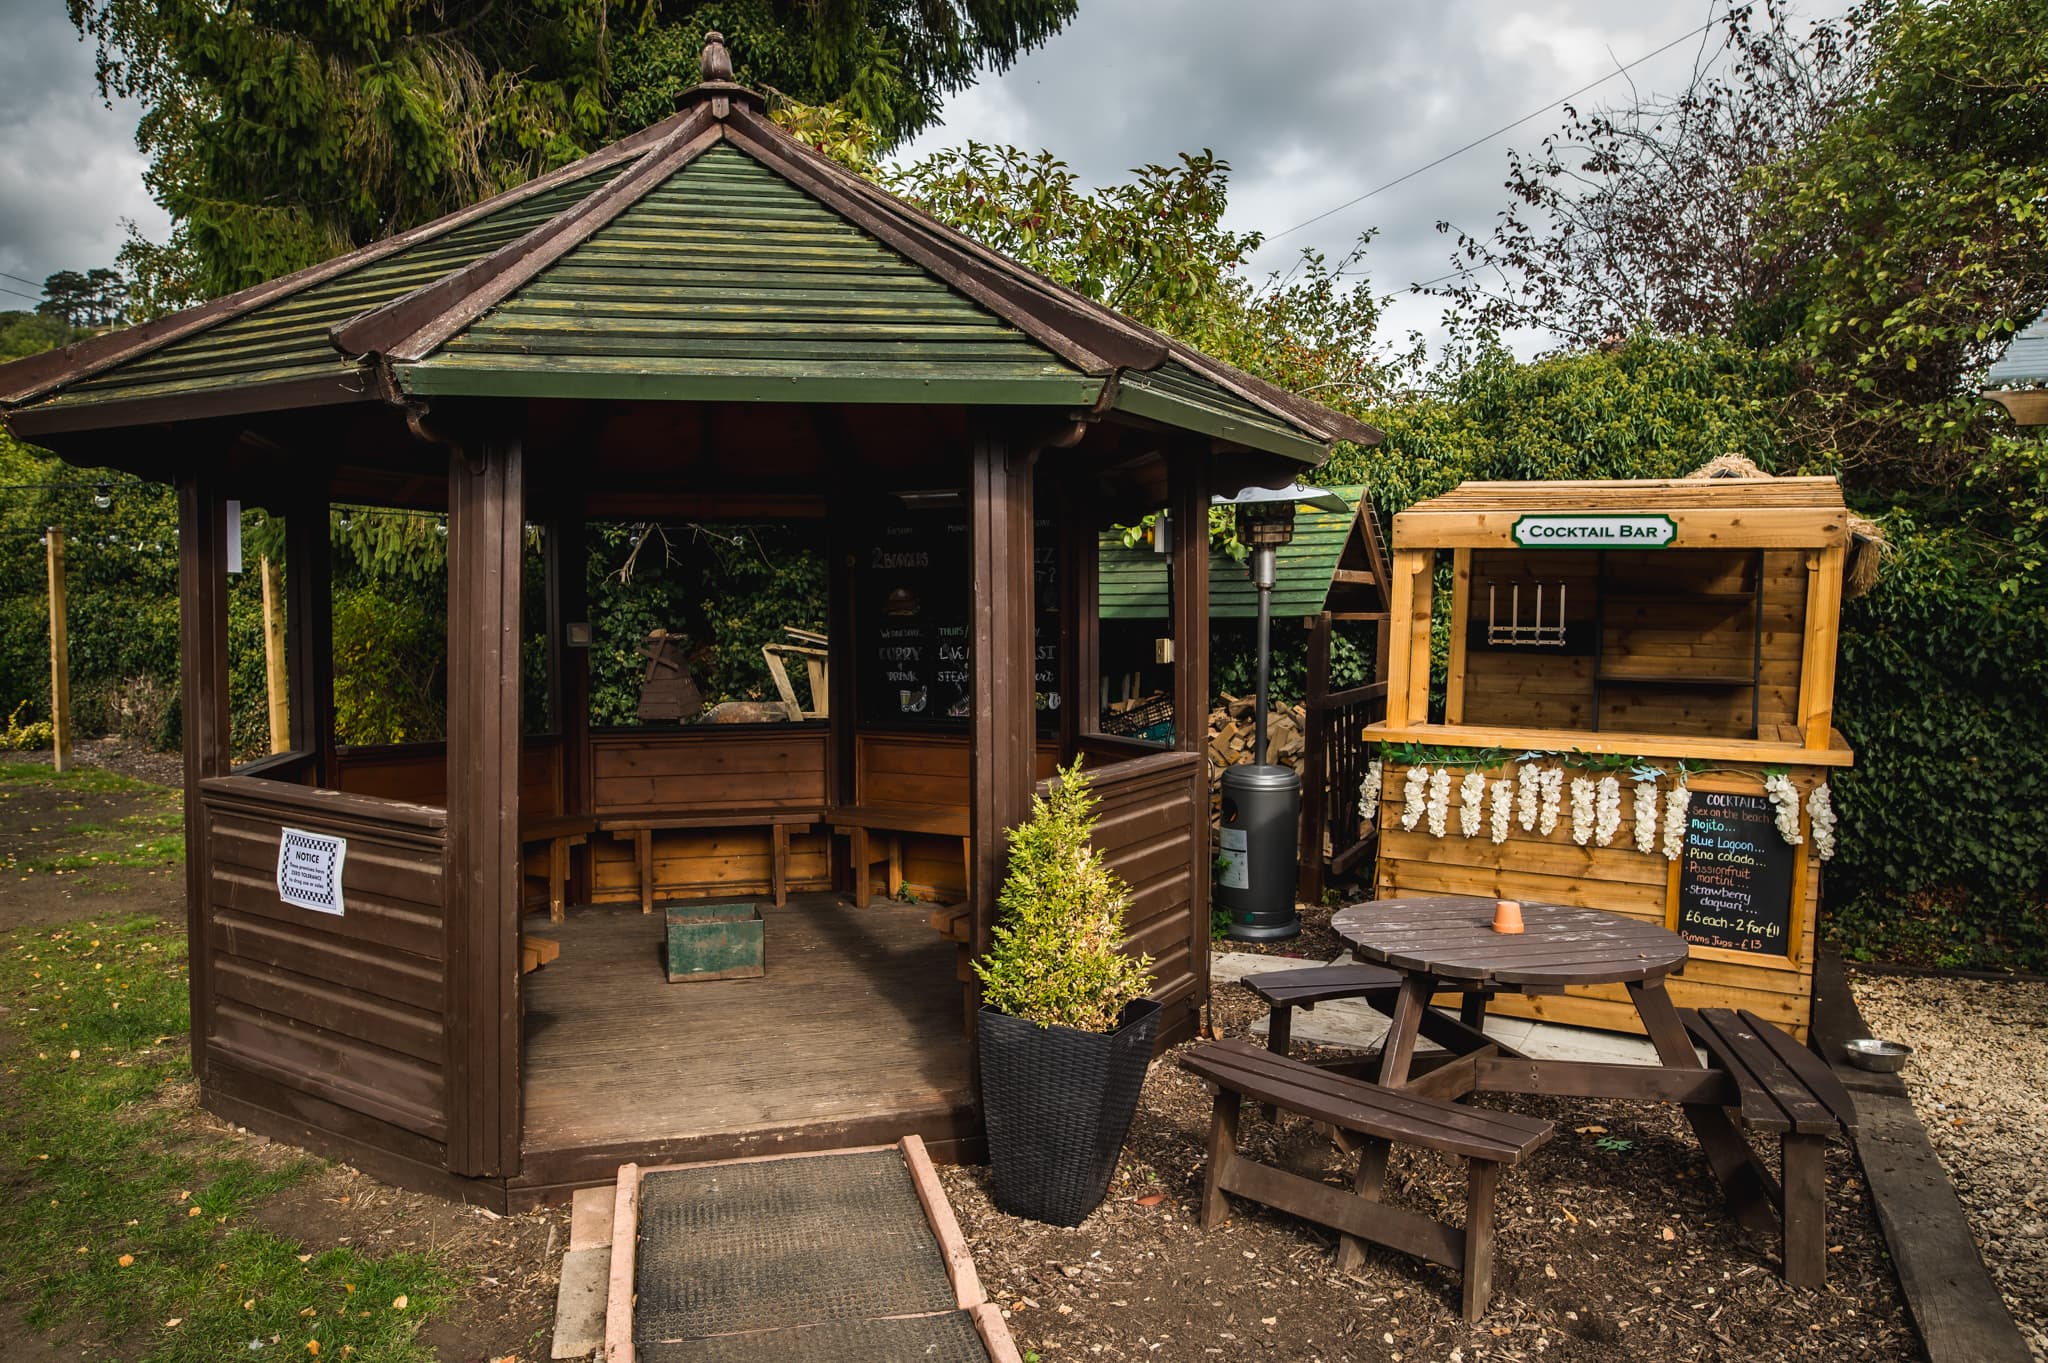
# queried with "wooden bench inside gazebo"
point(705, 321)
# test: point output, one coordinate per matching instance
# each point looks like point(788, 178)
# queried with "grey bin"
point(1256, 848)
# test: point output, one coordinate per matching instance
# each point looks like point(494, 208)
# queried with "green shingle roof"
point(708, 257)
point(726, 281)
point(288, 339)
point(1133, 581)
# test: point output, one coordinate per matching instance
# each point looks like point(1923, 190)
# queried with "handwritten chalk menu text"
point(1735, 878)
point(913, 621)
point(309, 869)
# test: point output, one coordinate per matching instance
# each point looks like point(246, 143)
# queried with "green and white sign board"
point(1594, 531)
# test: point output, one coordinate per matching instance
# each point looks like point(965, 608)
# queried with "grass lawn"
point(128, 1225)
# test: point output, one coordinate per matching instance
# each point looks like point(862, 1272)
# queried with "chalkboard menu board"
point(913, 620)
point(1735, 878)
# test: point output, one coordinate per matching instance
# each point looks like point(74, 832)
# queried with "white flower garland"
point(1503, 798)
point(1369, 791)
point(1412, 796)
point(1607, 811)
point(1528, 786)
point(1582, 810)
point(1646, 816)
point(1553, 799)
point(1471, 803)
point(1674, 820)
point(1820, 810)
point(1785, 802)
point(1439, 800)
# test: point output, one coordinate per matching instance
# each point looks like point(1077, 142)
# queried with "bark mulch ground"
point(1613, 1244)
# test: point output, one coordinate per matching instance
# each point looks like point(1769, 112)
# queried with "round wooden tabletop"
point(1451, 937)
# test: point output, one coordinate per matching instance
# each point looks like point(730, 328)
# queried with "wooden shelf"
point(1675, 679)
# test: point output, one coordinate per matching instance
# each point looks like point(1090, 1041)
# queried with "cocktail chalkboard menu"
point(1735, 877)
point(913, 619)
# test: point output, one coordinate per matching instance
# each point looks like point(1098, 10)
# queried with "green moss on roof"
point(727, 280)
point(287, 339)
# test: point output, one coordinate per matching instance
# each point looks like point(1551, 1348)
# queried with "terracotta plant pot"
point(1058, 1104)
point(1507, 915)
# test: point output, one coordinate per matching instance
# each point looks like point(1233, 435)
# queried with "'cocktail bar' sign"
point(1588, 531)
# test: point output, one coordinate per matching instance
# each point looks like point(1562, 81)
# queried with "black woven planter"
point(1058, 1103)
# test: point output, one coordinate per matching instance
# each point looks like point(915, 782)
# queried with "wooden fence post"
point(60, 656)
point(1316, 803)
point(274, 683)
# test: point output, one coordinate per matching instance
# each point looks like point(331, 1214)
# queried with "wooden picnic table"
point(1440, 942)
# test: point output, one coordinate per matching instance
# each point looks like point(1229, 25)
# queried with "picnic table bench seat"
point(778, 819)
point(1383, 1116)
point(1782, 1089)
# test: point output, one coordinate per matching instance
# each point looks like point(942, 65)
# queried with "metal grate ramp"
point(948, 1338)
point(847, 1254)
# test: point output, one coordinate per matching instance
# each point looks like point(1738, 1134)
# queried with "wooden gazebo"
point(706, 320)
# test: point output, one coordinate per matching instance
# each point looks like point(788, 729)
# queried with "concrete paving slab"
point(580, 1302)
point(590, 1217)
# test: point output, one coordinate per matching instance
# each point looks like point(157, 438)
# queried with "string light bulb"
point(103, 495)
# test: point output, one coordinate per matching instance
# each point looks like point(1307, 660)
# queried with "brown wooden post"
point(484, 551)
point(1315, 773)
point(1080, 616)
point(1003, 744)
point(569, 564)
point(203, 712)
point(277, 706)
point(1188, 492)
point(842, 654)
point(60, 655)
point(309, 630)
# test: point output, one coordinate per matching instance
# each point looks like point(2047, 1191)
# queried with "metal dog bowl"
point(1869, 1053)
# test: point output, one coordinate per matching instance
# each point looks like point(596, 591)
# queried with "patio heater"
point(1261, 801)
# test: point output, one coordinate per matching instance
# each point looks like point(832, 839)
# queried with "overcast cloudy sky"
point(1313, 102)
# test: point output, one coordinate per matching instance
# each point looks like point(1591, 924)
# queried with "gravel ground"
point(1979, 1080)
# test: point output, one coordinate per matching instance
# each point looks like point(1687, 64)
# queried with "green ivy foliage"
point(1944, 852)
point(727, 589)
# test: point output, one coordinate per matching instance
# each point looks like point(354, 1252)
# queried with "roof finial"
point(717, 61)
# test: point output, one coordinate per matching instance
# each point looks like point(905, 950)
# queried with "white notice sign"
point(309, 870)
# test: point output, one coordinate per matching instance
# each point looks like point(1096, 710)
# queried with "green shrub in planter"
point(1066, 1032)
point(1059, 920)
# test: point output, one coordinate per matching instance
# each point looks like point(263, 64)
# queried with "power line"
point(1505, 127)
point(31, 297)
point(20, 279)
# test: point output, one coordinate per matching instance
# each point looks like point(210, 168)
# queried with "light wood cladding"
point(1553, 869)
point(1707, 513)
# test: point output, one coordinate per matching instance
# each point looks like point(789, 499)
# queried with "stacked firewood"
point(1232, 725)
point(1231, 739)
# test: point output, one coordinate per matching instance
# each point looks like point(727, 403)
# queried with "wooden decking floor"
point(855, 1027)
